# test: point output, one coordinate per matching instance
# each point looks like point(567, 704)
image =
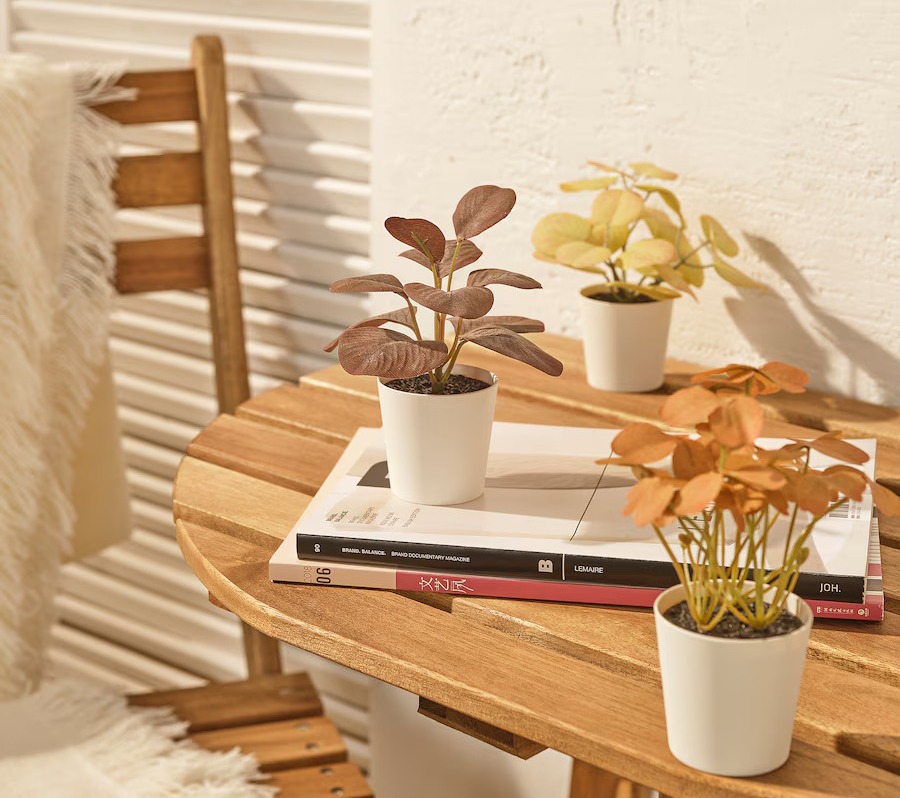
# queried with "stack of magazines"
point(549, 527)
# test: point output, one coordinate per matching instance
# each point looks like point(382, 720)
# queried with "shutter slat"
point(335, 12)
point(128, 663)
point(279, 38)
point(278, 77)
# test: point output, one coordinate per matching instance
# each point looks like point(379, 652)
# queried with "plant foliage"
point(367, 348)
point(642, 250)
point(727, 493)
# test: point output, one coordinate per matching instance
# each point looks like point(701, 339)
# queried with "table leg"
point(593, 782)
point(260, 651)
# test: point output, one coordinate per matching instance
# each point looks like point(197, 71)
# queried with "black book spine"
point(450, 559)
point(538, 565)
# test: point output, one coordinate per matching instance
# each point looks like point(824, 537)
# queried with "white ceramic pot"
point(730, 704)
point(437, 446)
point(624, 343)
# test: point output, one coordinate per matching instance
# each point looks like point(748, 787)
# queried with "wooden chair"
point(276, 716)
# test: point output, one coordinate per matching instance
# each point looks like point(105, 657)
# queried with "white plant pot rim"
point(590, 292)
point(716, 640)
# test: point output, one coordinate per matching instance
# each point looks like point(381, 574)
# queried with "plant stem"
point(453, 265)
point(690, 254)
point(454, 353)
point(412, 315)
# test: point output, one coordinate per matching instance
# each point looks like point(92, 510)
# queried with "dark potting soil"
point(422, 384)
point(730, 626)
point(633, 299)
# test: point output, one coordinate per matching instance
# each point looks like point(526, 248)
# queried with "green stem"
point(691, 254)
point(412, 315)
point(453, 265)
point(454, 353)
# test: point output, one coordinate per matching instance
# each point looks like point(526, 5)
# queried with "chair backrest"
point(187, 178)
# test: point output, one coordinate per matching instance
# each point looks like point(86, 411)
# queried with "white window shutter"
point(298, 78)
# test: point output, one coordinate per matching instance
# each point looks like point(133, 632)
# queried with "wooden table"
point(528, 675)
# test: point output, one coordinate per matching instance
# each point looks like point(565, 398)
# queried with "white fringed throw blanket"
point(73, 740)
point(64, 738)
point(56, 261)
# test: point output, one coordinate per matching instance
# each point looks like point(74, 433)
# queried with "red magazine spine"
point(340, 574)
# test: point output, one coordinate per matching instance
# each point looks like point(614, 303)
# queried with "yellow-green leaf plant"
point(636, 238)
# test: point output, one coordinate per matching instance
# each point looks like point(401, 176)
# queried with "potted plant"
point(646, 256)
point(437, 413)
point(732, 636)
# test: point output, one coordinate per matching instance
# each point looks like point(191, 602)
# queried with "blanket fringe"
point(138, 749)
point(54, 327)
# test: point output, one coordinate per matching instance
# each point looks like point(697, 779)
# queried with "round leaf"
point(510, 343)
point(720, 239)
point(557, 229)
point(591, 184)
point(642, 443)
point(688, 407)
point(400, 316)
point(830, 445)
point(480, 208)
point(581, 255)
point(467, 255)
point(649, 252)
point(372, 283)
point(733, 275)
point(652, 170)
point(737, 422)
point(617, 237)
point(605, 167)
point(520, 324)
point(691, 458)
point(616, 207)
point(698, 493)
point(666, 196)
point(887, 502)
point(789, 378)
point(674, 278)
point(388, 353)
point(483, 277)
point(660, 225)
point(468, 302)
point(419, 233)
point(647, 501)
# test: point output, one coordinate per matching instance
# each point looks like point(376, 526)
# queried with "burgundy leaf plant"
point(368, 348)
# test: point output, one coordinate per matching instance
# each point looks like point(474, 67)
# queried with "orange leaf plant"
point(727, 492)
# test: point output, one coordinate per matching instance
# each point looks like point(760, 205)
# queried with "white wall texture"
point(782, 118)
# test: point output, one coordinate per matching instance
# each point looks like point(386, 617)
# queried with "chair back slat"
point(162, 264)
point(188, 178)
point(169, 178)
point(169, 96)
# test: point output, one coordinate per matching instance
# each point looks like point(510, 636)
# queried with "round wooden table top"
point(527, 675)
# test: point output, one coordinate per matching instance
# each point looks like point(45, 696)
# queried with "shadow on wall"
point(772, 326)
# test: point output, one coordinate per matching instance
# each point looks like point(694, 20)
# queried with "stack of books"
point(549, 527)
